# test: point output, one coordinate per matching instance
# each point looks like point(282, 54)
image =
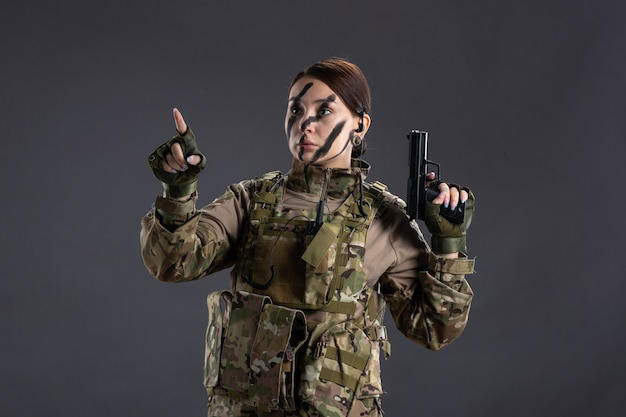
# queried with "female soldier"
point(317, 254)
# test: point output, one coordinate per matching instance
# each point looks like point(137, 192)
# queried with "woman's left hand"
point(448, 196)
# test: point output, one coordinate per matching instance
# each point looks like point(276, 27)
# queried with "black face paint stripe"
point(296, 99)
point(290, 123)
point(301, 93)
point(329, 141)
point(301, 152)
point(345, 146)
point(308, 121)
point(325, 101)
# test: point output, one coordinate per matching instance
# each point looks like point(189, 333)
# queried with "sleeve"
point(428, 295)
point(180, 243)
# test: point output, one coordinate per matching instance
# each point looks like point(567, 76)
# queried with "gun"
point(417, 191)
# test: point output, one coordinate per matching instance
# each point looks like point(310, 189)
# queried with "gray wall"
point(524, 102)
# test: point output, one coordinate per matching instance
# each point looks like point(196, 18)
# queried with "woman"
point(317, 254)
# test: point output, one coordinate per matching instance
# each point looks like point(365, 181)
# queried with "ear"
point(363, 124)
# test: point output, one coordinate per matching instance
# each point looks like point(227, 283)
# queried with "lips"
point(306, 143)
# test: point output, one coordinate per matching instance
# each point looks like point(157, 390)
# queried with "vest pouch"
point(284, 263)
point(320, 254)
point(343, 364)
point(238, 341)
point(251, 350)
point(280, 335)
point(271, 260)
point(219, 306)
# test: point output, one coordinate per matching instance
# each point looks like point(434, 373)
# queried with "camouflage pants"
point(224, 406)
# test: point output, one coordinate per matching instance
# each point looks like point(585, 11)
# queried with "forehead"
point(307, 88)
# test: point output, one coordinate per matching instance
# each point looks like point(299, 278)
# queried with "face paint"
point(301, 152)
point(314, 123)
point(296, 101)
point(325, 103)
point(307, 122)
point(328, 143)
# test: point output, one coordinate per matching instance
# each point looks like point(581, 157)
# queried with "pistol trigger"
point(431, 193)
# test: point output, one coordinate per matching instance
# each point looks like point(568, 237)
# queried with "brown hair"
point(348, 81)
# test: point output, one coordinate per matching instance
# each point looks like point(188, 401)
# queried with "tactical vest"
point(300, 314)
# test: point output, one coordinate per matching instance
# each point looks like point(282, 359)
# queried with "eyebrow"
point(330, 99)
point(301, 93)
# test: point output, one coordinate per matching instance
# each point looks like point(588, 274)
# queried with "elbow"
point(445, 335)
point(436, 336)
point(162, 275)
point(160, 262)
point(168, 277)
point(161, 271)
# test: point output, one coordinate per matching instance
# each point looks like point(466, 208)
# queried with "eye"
point(324, 111)
point(295, 110)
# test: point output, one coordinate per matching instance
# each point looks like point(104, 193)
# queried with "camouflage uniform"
point(300, 333)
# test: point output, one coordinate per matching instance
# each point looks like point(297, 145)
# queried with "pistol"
point(417, 191)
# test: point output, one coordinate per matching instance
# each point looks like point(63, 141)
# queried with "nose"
point(306, 123)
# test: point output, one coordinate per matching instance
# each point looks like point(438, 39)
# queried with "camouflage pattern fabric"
point(251, 346)
point(224, 406)
point(336, 372)
point(342, 365)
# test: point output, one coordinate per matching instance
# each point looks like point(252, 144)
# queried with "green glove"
point(448, 237)
point(181, 183)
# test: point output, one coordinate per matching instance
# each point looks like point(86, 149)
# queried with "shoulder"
point(384, 199)
point(257, 184)
point(247, 190)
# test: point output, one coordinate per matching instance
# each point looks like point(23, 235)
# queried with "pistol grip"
point(456, 216)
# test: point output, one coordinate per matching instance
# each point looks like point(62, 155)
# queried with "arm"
point(179, 243)
point(428, 295)
point(433, 311)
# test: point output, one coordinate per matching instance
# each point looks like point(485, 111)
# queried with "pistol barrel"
point(416, 185)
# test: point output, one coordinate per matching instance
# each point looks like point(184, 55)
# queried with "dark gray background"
point(524, 102)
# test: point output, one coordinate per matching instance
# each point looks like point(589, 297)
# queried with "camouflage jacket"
point(428, 296)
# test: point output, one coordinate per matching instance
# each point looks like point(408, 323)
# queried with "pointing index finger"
point(181, 126)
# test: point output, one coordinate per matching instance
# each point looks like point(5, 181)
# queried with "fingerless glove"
point(181, 183)
point(448, 237)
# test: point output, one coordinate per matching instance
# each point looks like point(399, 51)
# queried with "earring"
point(356, 141)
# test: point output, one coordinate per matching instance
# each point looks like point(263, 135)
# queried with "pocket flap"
point(320, 244)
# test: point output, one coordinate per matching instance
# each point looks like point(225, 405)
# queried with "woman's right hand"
point(178, 162)
point(175, 160)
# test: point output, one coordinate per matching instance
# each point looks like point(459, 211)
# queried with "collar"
point(339, 182)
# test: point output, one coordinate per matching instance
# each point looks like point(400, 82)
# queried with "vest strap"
point(340, 307)
point(344, 359)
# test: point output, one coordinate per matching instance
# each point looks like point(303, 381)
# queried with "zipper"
point(319, 216)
